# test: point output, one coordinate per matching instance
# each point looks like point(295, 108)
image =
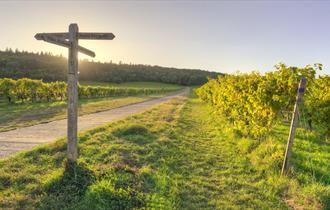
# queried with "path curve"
point(26, 138)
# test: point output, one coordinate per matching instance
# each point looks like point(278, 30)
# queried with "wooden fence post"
point(73, 93)
point(294, 124)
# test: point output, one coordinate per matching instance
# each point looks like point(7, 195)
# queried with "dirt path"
point(26, 138)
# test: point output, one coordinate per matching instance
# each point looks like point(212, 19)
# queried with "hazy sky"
point(223, 36)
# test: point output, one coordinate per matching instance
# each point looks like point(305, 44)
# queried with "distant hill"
point(45, 66)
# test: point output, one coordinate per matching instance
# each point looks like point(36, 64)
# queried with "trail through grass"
point(176, 156)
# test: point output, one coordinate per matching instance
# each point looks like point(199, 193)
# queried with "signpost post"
point(70, 41)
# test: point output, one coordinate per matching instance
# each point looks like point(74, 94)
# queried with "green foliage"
point(242, 100)
point(25, 89)
point(317, 103)
point(7, 88)
point(193, 162)
point(16, 114)
point(253, 102)
point(47, 67)
point(131, 84)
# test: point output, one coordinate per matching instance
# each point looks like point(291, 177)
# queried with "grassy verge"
point(22, 115)
point(18, 115)
point(177, 156)
point(133, 84)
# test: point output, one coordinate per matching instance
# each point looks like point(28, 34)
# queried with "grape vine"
point(253, 102)
point(28, 90)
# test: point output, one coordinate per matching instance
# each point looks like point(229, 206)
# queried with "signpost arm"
point(73, 93)
point(58, 40)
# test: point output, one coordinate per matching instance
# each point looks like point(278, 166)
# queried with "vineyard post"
point(70, 41)
point(294, 124)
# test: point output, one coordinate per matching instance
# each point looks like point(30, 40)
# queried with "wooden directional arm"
point(41, 36)
point(84, 35)
point(59, 40)
point(96, 36)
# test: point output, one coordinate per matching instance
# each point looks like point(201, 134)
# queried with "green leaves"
point(252, 102)
point(25, 89)
point(6, 88)
point(240, 99)
point(317, 104)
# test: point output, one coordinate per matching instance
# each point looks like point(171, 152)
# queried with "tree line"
point(253, 102)
point(21, 64)
point(29, 90)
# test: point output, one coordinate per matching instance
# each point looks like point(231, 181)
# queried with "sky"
point(223, 36)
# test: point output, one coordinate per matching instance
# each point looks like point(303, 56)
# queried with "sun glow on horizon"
point(193, 35)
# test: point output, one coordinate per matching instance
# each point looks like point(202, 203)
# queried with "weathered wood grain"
point(83, 35)
point(294, 124)
point(96, 36)
point(73, 93)
point(64, 43)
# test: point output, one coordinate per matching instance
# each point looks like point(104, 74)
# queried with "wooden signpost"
point(294, 124)
point(70, 41)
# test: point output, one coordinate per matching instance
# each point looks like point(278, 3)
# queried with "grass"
point(22, 115)
point(18, 115)
point(177, 156)
point(132, 84)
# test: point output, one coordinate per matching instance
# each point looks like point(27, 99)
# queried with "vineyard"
point(165, 105)
point(179, 155)
point(29, 90)
point(176, 156)
point(253, 103)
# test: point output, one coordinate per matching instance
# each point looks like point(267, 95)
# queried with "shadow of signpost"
point(67, 189)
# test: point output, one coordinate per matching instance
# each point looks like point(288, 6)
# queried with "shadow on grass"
point(308, 168)
point(137, 134)
point(68, 189)
point(308, 160)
